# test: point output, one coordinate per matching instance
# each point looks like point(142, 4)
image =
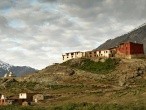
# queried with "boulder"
point(122, 80)
point(70, 72)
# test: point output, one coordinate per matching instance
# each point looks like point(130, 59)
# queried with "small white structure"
point(8, 75)
point(3, 97)
point(23, 96)
point(2, 100)
point(72, 55)
point(11, 74)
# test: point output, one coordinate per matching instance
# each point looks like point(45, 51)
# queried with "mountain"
point(137, 35)
point(17, 70)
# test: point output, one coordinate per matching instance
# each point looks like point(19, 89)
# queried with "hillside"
point(136, 35)
point(102, 84)
point(17, 70)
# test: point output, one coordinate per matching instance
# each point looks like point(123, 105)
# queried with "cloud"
point(37, 32)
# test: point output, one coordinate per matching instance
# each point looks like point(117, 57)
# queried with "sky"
point(36, 32)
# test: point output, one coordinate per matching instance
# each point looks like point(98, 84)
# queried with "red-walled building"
point(130, 50)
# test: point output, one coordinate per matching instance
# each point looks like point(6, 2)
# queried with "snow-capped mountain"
point(4, 65)
point(17, 70)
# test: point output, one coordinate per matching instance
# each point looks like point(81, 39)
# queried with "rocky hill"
point(17, 70)
point(136, 35)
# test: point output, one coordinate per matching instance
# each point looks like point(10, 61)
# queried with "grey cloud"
point(73, 25)
point(43, 1)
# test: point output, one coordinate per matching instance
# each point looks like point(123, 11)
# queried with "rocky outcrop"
point(126, 77)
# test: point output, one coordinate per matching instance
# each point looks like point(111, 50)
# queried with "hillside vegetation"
point(91, 66)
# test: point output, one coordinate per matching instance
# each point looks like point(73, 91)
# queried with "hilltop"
point(137, 35)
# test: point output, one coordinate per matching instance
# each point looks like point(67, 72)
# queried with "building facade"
point(90, 54)
point(26, 97)
point(72, 55)
point(104, 54)
point(99, 54)
point(123, 50)
point(130, 50)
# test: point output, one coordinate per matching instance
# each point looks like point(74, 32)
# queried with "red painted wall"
point(136, 48)
point(130, 48)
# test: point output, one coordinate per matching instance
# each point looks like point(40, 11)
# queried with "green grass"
point(79, 106)
point(86, 106)
point(11, 107)
point(94, 67)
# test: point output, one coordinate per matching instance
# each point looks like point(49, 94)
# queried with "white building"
point(28, 97)
point(72, 55)
point(23, 96)
point(104, 53)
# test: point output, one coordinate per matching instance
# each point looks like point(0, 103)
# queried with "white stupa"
point(6, 75)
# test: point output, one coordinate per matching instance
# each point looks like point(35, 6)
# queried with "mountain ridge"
point(17, 70)
point(136, 35)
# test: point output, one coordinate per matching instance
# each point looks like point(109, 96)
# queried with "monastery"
point(127, 50)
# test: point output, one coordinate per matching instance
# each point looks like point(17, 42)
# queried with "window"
point(72, 53)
